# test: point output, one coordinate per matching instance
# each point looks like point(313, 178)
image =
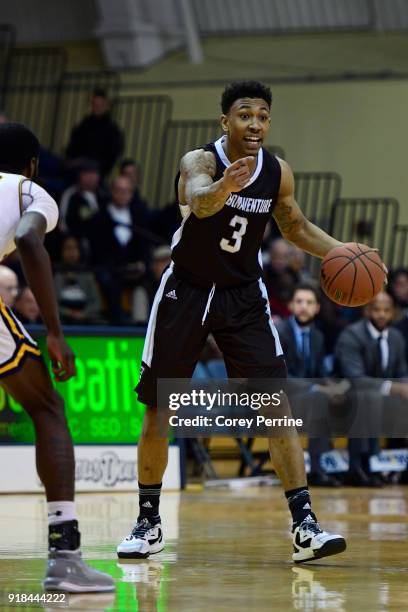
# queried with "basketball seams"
point(339, 272)
point(339, 256)
point(353, 284)
point(369, 258)
point(369, 274)
point(356, 254)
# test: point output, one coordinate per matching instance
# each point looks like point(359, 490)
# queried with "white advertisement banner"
point(97, 468)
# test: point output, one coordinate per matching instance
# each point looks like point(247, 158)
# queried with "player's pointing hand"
point(237, 175)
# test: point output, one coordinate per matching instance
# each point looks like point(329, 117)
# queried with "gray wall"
point(44, 21)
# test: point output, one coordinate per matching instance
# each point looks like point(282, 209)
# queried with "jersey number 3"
point(234, 243)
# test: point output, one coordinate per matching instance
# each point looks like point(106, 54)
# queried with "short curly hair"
point(244, 89)
point(18, 145)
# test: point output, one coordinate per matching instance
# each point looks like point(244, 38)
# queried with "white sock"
point(60, 511)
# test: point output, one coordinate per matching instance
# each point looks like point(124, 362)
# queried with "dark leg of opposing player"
point(309, 540)
point(147, 538)
point(31, 386)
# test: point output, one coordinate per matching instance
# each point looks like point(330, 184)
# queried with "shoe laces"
point(311, 525)
point(141, 528)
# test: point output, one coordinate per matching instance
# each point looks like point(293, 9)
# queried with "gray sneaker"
point(67, 572)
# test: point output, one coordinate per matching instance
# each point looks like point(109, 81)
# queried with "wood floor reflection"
point(226, 550)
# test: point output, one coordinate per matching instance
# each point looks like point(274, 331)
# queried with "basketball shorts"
point(15, 343)
point(182, 317)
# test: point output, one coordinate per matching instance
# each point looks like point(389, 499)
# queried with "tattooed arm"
point(293, 224)
point(197, 189)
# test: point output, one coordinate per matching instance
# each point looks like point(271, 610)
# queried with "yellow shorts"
point(15, 342)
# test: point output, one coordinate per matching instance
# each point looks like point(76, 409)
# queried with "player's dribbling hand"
point(62, 358)
point(384, 268)
point(237, 175)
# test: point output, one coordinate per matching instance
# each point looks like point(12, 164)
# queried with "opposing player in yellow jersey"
point(27, 213)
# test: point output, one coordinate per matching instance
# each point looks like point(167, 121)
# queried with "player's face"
point(304, 306)
point(247, 124)
point(381, 311)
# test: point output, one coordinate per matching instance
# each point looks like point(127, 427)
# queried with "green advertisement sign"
point(100, 403)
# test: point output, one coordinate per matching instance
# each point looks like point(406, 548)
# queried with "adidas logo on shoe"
point(147, 505)
point(307, 506)
point(172, 295)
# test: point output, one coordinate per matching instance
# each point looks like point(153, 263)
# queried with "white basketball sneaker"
point(145, 539)
point(311, 542)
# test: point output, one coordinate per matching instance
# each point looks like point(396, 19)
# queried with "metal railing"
point(32, 88)
point(143, 120)
point(400, 254)
point(180, 137)
point(315, 193)
point(367, 220)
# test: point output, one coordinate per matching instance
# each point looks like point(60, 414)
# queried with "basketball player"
point(229, 189)
point(27, 213)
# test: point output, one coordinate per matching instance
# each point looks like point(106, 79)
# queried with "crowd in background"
point(111, 247)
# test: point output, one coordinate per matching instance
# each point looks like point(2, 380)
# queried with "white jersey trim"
point(279, 350)
point(221, 154)
point(178, 233)
point(151, 328)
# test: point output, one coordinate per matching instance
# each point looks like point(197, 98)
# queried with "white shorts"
point(15, 343)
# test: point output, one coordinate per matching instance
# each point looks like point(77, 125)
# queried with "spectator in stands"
point(75, 286)
point(52, 172)
point(398, 288)
point(280, 278)
point(3, 117)
point(160, 261)
point(26, 307)
point(97, 136)
point(82, 201)
point(297, 263)
point(131, 170)
point(370, 353)
point(402, 326)
point(117, 247)
point(8, 286)
point(303, 345)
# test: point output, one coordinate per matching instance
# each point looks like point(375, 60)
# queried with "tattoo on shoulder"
point(198, 162)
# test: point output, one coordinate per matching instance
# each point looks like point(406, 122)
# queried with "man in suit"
point(370, 353)
point(118, 251)
point(303, 346)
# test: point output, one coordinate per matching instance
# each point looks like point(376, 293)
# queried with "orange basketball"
point(352, 274)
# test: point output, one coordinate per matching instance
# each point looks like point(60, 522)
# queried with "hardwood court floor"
point(227, 550)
